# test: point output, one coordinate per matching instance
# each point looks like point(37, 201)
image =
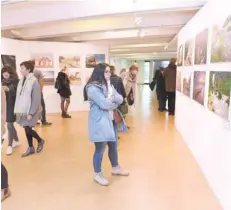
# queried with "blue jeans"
point(99, 151)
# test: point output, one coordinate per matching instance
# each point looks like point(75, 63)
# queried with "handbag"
point(123, 108)
point(130, 98)
point(117, 117)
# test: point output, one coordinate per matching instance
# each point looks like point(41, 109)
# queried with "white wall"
point(23, 50)
point(208, 136)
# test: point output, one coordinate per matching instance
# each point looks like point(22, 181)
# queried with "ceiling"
point(134, 29)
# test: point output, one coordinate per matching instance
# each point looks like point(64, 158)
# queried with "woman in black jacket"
point(9, 84)
point(63, 86)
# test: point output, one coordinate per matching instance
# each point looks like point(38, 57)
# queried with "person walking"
point(5, 191)
point(39, 76)
point(9, 85)
point(160, 89)
point(129, 82)
point(62, 85)
point(102, 127)
point(27, 106)
point(170, 85)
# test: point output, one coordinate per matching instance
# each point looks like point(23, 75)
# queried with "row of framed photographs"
point(213, 87)
point(198, 51)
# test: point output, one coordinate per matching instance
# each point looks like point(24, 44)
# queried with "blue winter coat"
point(100, 125)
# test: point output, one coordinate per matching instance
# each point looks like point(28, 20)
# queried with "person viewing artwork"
point(39, 76)
point(5, 191)
point(102, 127)
point(170, 85)
point(129, 81)
point(62, 85)
point(9, 85)
point(27, 106)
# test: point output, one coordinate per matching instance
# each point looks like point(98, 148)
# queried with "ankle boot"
point(40, 146)
point(29, 151)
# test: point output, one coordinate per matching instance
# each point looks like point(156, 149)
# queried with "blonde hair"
point(122, 70)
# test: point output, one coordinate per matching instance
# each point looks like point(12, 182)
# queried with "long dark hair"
point(97, 77)
point(11, 71)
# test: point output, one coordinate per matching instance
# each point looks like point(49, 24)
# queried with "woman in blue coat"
point(102, 128)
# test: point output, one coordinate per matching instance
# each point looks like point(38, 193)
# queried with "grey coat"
point(170, 78)
point(35, 107)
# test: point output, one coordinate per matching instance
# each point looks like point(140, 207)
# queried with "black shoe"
point(40, 146)
point(66, 115)
point(171, 113)
point(29, 151)
point(166, 110)
point(46, 124)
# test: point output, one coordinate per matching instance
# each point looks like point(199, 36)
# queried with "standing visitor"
point(102, 128)
point(9, 85)
point(130, 83)
point(122, 73)
point(27, 106)
point(39, 76)
point(62, 85)
point(5, 191)
point(170, 85)
point(160, 89)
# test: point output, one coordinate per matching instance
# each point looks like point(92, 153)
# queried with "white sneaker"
point(15, 144)
point(9, 150)
point(99, 178)
point(119, 172)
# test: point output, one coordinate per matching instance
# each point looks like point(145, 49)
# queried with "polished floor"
point(164, 174)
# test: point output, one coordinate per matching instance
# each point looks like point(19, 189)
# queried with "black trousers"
point(4, 177)
point(162, 98)
point(171, 102)
point(30, 134)
point(43, 119)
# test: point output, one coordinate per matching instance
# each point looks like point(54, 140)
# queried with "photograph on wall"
point(8, 60)
point(188, 53)
point(201, 43)
point(69, 61)
point(186, 78)
point(43, 60)
point(180, 56)
point(93, 60)
point(49, 78)
point(221, 41)
point(199, 86)
point(219, 93)
point(75, 77)
point(178, 81)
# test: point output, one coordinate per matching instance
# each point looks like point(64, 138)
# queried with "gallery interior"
point(179, 162)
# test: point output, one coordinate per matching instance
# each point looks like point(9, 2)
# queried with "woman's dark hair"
point(97, 77)
point(12, 73)
point(28, 65)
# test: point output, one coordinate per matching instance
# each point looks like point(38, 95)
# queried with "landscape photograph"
point(219, 93)
point(180, 56)
point(49, 78)
point(93, 60)
point(8, 60)
point(75, 77)
point(178, 81)
point(188, 53)
point(201, 44)
point(186, 77)
point(199, 86)
point(69, 61)
point(221, 41)
point(43, 60)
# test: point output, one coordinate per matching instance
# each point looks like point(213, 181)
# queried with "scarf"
point(130, 83)
point(110, 95)
point(23, 97)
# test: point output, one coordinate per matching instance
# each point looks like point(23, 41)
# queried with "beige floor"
point(164, 174)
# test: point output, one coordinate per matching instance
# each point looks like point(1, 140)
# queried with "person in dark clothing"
point(117, 82)
point(9, 84)
point(170, 85)
point(62, 85)
point(160, 89)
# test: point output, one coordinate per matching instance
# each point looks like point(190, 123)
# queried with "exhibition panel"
point(204, 91)
point(50, 58)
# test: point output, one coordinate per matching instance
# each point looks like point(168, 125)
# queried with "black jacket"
point(159, 81)
point(116, 81)
point(63, 85)
point(10, 99)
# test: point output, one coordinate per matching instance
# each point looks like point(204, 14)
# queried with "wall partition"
point(50, 58)
point(203, 114)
